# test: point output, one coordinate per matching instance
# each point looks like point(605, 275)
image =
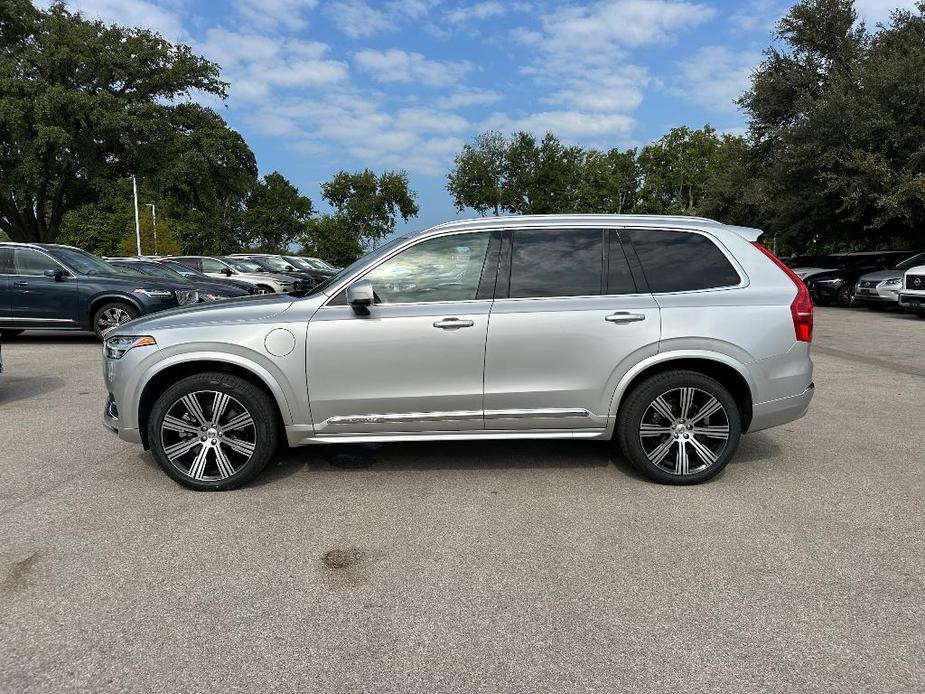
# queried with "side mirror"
point(289, 268)
point(227, 272)
point(56, 274)
point(360, 296)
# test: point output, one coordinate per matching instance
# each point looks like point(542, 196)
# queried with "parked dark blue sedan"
point(51, 287)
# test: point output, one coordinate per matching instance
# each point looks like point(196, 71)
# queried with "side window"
point(29, 262)
point(192, 263)
point(619, 277)
point(556, 262)
point(6, 261)
point(679, 261)
point(210, 265)
point(446, 268)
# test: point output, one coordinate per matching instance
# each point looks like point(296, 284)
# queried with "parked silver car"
point(881, 288)
point(239, 269)
point(673, 335)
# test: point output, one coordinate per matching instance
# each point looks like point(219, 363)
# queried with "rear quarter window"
point(680, 261)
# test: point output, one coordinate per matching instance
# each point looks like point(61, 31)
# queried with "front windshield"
point(243, 265)
point(357, 264)
point(83, 263)
point(299, 262)
point(274, 263)
point(911, 262)
point(155, 270)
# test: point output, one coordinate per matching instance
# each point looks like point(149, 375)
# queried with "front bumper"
point(776, 412)
point(912, 302)
point(878, 294)
point(112, 423)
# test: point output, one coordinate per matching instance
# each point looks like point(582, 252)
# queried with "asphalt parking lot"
point(484, 567)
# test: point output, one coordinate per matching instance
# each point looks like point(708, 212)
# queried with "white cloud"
point(873, 11)
point(715, 76)
point(477, 12)
point(395, 65)
point(413, 9)
point(568, 125)
point(268, 14)
point(130, 13)
point(464, 98)
point(255, 63)
point(757, 15)
point(357, 19)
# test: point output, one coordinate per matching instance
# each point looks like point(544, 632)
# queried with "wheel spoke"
point(172, 423)
point(681, 462)
point(218, 407)
point(706, 455)
point(243, 447)
point(659, 453)
point(198, 468)
point(225, 468)
point(662, 407)
point(687, 400)
point(242, 420)
point(720, 431)
point(176, 450)
point(193, 407)
point(712, 406)
point(647, 430)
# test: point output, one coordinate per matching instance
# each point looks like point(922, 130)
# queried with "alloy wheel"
point(111, 317)
point(684, 431)
point(208, 435)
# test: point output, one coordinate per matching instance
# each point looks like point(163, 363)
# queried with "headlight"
point(154, 293)
point(834, 282)
point(893, 282)
point(115, 347)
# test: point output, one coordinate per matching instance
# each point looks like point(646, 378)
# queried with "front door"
point(414, 364)
point(567, 323)
point(39, 299)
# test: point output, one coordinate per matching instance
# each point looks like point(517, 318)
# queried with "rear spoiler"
point(747, 233)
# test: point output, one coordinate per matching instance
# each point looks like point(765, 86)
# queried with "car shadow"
point(755, 448)
point(13, 388)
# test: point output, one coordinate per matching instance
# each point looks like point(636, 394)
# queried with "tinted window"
point(677, 261)
point(619, 277)
point(446, 268)
point(556, 262)
point(6, 261)
point(29, 262)
point(209, 265)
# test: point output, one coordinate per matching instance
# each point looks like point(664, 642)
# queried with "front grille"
point(187, 296)
point(916, 282)
point(868, 284)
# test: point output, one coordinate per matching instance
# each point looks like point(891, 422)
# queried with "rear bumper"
point(776, 412)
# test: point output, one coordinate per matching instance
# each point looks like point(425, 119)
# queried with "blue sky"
point(323, 85)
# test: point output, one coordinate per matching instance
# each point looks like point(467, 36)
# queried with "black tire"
point(641, 402)
point(110, 314)
point(10, 333)
point(244, 398)
point(845, 298)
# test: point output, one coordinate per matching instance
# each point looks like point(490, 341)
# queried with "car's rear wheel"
point(679, 427)
point(213, 431)
point(111, 315)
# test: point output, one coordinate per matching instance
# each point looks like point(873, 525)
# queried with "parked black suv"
point(208, 289)
point(52, 287)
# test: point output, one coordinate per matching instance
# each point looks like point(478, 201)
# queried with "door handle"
point(453, 324)
point(622, 317)
point(20, 284)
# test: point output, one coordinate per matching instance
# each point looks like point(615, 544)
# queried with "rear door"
point(6, 294)
point(570, 317)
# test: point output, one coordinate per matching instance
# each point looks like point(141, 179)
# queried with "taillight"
point(802, 306)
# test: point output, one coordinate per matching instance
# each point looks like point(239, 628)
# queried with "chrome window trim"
point(744, 280)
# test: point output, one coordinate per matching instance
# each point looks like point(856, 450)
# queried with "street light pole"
point(137, 225)
point(154, 225)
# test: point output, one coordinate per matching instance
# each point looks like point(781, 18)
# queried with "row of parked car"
point(876, 279)
point(50, 286)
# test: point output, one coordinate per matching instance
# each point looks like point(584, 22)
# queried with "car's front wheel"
point(679, 427)
point(111, 315)
point(213, 431)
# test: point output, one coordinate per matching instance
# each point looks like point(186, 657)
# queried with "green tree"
point(370, 204)
point(332, 238)
point(478, 179)
point(542, 178)
point(609, 182)
point(275, 214)
point(83, 105)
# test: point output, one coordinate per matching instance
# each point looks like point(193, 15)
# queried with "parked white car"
point(912, 295)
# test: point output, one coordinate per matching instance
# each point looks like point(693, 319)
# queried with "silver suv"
point(674, 336)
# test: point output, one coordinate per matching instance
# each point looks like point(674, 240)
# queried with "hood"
point(136, 282)
point(242, 309)
point(226, 288)
point(264, 277)
point(881, 275)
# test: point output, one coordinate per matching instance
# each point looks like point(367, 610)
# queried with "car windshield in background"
point(271, 263)
point(155, 270)
point(183, 270)
point(384, 249)
point(243, 265)
point(82, 263)
point(911, 262)
point(299, 263)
